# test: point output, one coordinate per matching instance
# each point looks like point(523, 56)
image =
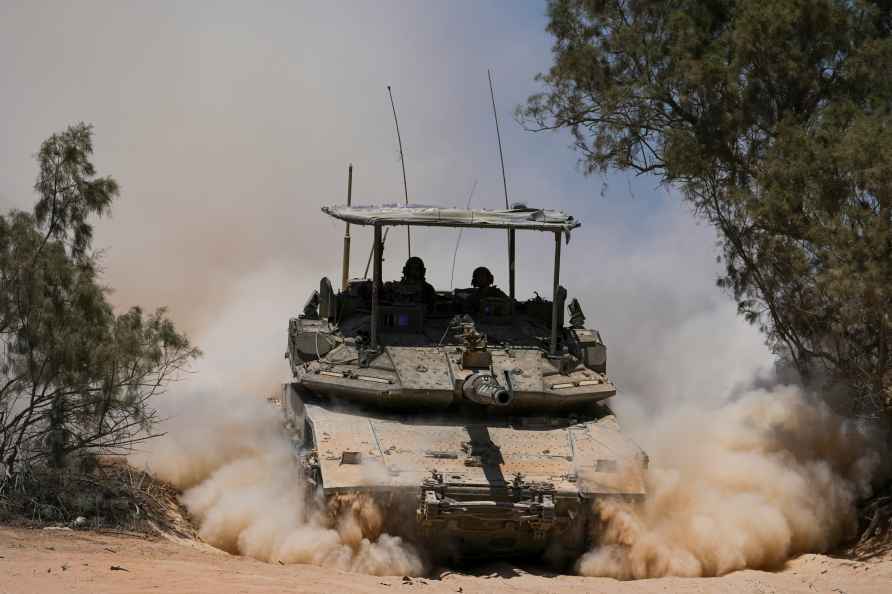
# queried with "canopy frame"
point(526, 219)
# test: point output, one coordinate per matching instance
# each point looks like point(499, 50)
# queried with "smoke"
point(749, 483)
point(244, 488)
point(773, 474)
point(769, 474)
point(225, 447)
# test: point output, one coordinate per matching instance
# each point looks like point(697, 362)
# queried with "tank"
point(475, 420)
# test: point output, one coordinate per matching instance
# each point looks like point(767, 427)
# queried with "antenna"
point(458, 239)
point(495, 116)
point(405, 189)
point(403, 163)
point(345, 270)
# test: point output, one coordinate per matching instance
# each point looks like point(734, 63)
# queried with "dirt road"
point(50, 561)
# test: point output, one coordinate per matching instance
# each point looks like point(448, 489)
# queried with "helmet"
point(482, 278)
point(414, 268)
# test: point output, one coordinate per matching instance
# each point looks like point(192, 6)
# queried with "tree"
point(74, 376)
point(774, 120)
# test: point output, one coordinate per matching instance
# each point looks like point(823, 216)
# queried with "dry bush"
point(108, 495)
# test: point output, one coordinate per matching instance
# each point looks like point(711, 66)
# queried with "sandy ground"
point(50, 561)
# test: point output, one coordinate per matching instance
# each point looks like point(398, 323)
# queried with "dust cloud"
point(745, 484)
point(770, 475)
point(243, 486)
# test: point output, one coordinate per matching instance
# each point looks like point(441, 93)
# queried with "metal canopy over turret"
point(533, 219)
point(519, 217)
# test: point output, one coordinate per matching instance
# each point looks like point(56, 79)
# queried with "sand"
point(62, 561)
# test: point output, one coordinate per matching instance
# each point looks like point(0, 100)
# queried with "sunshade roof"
point(433, 216)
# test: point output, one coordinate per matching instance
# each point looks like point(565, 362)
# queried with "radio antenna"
point(495, 116)
point(403, 163)
point(458, 239)
point(345, 269)
point(405, 188)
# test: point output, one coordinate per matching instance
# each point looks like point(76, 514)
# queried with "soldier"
point(482, 283)
point(482, 279)
point(413, 280)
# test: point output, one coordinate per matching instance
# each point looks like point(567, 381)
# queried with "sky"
point(229, 124)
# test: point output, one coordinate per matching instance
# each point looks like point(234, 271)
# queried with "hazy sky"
point(229, 124)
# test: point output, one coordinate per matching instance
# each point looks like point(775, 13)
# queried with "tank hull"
point(468, 487)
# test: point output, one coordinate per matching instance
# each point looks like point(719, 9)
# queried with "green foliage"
point(774, 119)
point(69, 191)
point(74, 376)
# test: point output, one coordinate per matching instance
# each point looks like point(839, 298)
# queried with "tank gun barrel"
point(485, 389)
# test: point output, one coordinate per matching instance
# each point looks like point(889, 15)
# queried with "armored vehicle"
point(476, 420)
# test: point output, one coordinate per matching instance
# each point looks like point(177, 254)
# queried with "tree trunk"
point(57, 436)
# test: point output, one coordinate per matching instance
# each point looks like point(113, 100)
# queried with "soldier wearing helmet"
point(414, 283)
point(482, 279)
point(482, 283)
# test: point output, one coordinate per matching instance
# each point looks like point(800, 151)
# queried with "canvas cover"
point(534, 219)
